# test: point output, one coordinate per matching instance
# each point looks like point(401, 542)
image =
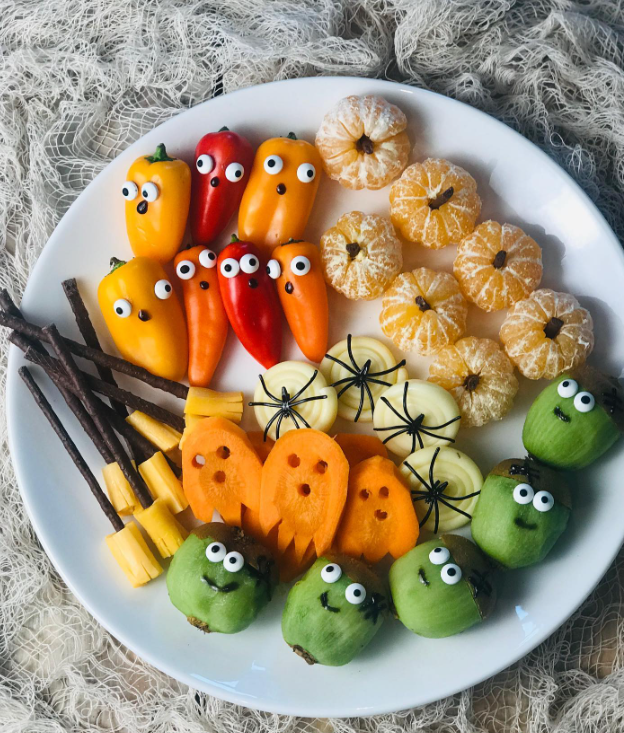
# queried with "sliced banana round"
point(414, 414)
point(445, 485)
point(293, 395)
point(360, 368)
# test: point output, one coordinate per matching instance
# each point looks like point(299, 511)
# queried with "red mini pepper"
point(250, 301)
point(223, 163)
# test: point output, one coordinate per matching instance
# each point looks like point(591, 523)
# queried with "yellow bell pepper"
point(280, 193)
point(144, 317)
point(158, 196)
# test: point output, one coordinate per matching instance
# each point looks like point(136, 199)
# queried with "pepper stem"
point(291, 136)
point(160, 156)
point(225, 128)
point(115, 264)
point(234, 239)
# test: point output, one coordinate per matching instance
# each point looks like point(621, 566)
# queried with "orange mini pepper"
point(158, 196)
point(144, 317)
point(280, 193)
point(296, 268)
point(206, 318)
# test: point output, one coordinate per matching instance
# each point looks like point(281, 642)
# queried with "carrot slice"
point(358, 448)
point(304, 488)
point(221, 471)
point(261, 446)
point(379, 516)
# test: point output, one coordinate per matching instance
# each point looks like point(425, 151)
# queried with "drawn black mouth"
point(325, 604)
point(561, 414)
point(227, 588)
point(142, 207)
point(519, 522)
point(422, 577)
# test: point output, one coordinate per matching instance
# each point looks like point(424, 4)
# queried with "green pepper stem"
point(225, 128)
point(115, 264)
point(160, 156)
point(234, 239)
point(291, 136)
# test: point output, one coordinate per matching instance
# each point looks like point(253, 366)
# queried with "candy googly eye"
point(234, 172)
point(216, 552)
point(207, 259)
point(306, 172)
point(331, 573)
point(122, 308)
point(439, 555)
point(150, 191)
point(523, 494)
point(230, 267)
point(543, 501)
point(567, 388)
point(249, 264)
point(273, 164)
point(205, 164)
point(355, 593)
point(185, 269)
point(273, 269)
point(584, 402)
point(300, 265)
point(130, 190)
point(163, 289)
point(451, 574)
point(234, 562)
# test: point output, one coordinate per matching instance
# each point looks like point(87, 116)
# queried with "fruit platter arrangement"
point(360, 525)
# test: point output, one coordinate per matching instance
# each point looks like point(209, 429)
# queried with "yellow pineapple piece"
point(190, 421)
point(163, 483)
point(119, 490)
point(209, 403)
point(129, 548)
point(164, 437)
point(162, 527)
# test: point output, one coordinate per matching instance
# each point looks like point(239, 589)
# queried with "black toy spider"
point(413, 426)
point(285, 407)
point(360, 377)
point(434, 494)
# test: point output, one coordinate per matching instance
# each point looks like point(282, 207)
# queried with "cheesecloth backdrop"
point(79, 81)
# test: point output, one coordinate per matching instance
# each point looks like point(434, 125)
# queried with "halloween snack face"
point(522, 510)
point(221, 579)
point(442, 587)
point(334, 611)
point(576, 419)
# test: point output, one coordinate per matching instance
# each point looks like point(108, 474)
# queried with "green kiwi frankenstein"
point(522, 511)
point(221, 579)
point(442, 587)
point(576, 419)
point(333, 612)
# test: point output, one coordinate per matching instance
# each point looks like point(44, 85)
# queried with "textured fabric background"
point(79, 81)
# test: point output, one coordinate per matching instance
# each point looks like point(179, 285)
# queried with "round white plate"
point(518, 184)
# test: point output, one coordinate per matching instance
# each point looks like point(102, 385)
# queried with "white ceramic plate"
point(518, 184)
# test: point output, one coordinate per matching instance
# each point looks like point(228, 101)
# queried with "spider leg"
point(390, 370)
point(392, 427)
point(264, 404)
point(343, 381)
point(301, 417)
point(293, 417)
point(454, 508)
point(346, 387)
point(423, 521)
point(361, 405)
point(420, 442)
point(394, 435)
point(350, 352)
point(267, 427)
point(461, 498)
point(433, 435)
point(278, 426)
point(370, 397)
point(436, 523)
point(431, 465)
point(444, 425)
point(266, 391)
point(308, 399)
point(386, 402)
point(405, 410)
point(378, 381)
point(305, 386)
point(342, 364)
point(411, 469)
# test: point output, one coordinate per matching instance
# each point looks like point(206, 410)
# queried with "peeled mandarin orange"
point(361, 255)
point(434, 203)
point(497, 265)
point(547, 334)
point(479, 376)
point(423, 311)
point(363, 142)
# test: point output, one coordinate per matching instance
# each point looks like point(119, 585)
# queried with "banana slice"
point(415, 414)
point(293, 395)
point(360, 368)
point(445, 485)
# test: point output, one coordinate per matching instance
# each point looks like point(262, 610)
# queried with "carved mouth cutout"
point(325, 603)
point(227, 588)
point(519, 522)
point(561, 414)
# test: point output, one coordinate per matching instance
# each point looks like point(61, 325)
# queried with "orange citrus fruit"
point(497, 265)
point(434, 203)
point(479, 376)
point(363, 142)
point(547, 334)
point(423, 311)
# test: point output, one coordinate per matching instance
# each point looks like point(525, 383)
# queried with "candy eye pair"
point(543, 501)
point(149, 191)
point(162, 290)
point(206, 163)
point(273, 165)
point(247, 264)
point(450, 572)
point(299, 266)
point(355, 593)
point(583, 401)
point(232, 561)
point(185, 269)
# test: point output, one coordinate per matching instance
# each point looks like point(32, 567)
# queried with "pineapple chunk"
point(119, 490)
point(135, 558)
point(163, 483)
point(162, 527)
point(208, 403)
point(164, 437)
